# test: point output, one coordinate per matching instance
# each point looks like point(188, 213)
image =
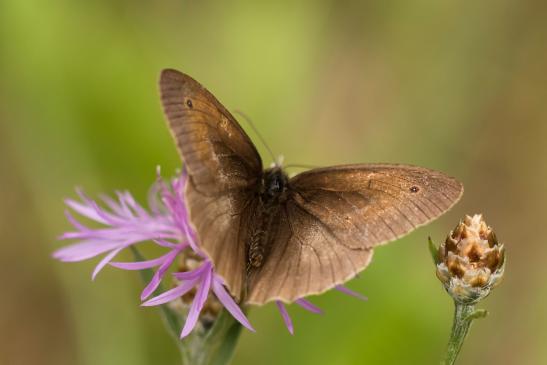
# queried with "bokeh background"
point(456, 86)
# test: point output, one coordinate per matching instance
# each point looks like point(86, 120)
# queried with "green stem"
point(216, 346)
point(464, 314)
point(222, 339)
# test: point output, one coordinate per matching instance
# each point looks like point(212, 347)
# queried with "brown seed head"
point(471, 261)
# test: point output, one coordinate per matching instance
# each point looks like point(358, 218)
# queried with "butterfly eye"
point(189, 103)
point(414, 189)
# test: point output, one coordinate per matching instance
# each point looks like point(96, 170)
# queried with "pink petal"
point(190, 235)
point(107, 217)
point(285, 315)
point(127, 213)
point(159, 274)
point(75, 222)
point(134, 205)
point(165, 243)
point(153, 202)
point(191, 238)
point(105, 261)
point(231, 306)
point(347, 291)
point(188, 275)
point(172, 294)
point(86, 211)
point(139, 265)
point(197, 304)
point(84, 250)
point(112, 204)
point(75, 235)
point(307, 305)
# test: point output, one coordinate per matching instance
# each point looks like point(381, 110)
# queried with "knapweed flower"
point(471, 261)
point(125, 223)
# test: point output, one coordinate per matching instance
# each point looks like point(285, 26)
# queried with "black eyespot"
point(414, 189)
point(189, 103)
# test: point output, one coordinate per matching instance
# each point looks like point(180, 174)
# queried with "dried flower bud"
point(471, 261)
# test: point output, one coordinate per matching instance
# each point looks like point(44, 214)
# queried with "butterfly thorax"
point(273, 191)
point(274, 185)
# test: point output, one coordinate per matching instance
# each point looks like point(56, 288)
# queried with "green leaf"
point(478, 313)
point(433, 250)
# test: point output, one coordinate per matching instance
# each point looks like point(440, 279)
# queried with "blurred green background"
point(456, 86)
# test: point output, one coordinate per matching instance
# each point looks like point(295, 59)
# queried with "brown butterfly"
point(272, 237)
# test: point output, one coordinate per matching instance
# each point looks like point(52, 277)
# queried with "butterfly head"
point(275, 182)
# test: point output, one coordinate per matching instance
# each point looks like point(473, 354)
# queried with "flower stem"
point(214, 347)
point(222, 339)
point(464, 314)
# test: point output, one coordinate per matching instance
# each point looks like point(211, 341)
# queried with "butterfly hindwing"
point(335, 216)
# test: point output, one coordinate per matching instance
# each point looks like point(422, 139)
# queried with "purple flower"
point(127, 223)
point(166, 223)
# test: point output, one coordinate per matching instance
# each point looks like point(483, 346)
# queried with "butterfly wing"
point(334, 217)
point(223, 167)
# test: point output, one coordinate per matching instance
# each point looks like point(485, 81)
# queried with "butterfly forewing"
point(223, 169)
point(217, 153)
point(335, 216)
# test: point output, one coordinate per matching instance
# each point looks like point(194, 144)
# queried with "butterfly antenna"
point(248, 120)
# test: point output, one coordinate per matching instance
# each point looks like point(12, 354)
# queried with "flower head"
point(126, 223)
point(165, 223)
point(471, 261)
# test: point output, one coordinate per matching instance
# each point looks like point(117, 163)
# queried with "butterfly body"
point(271, 196)
point(274, 185)
point(277, 238)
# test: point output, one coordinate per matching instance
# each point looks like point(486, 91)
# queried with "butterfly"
point(271, 237)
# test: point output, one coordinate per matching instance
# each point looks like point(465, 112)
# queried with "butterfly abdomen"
point(259, 237)
point(256, 249)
